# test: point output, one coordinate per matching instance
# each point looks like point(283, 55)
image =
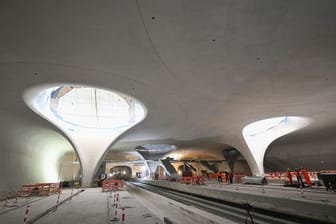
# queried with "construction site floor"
point(311, 202)
point(90, 206)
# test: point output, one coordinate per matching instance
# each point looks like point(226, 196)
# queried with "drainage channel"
point(51, 209)
point(19, 205)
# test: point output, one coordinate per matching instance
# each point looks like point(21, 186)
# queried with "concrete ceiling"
point(204, 69)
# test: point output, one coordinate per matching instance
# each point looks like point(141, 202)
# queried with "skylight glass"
point(94, 108)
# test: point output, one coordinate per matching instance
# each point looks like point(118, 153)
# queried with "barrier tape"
point(26, 214)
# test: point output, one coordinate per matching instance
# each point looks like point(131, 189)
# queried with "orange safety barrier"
point(113, 185)
point(276, 175)
point(41, 189)
point(192, 180)
point(312, 175)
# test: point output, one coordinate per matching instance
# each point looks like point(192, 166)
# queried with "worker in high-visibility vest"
point(289, 176)
point(306, 176)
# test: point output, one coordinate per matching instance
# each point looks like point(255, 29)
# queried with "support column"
point(90, 148)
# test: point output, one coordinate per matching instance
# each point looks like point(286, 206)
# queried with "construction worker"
point(219, 177)
point(226, 175)
point(231, 177)
point(306, 176)
point(289, 176)
point(298, 178)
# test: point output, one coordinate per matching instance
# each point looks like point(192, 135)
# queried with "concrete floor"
point(313, 203)
point(312, 194)
point(15, 212)
point(93, 206)
point(90, 206)
point(175, 211)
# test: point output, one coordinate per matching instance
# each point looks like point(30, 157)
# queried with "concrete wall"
point(69, 167)
point(29, 154)
point(314, 152)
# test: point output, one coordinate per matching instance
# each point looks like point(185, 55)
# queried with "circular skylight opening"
point(82, 107)
point(94, 108)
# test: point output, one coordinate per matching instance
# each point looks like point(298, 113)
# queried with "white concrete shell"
point(204, 69)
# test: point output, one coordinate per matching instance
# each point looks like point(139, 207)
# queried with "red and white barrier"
point(116, 211)
point(123, 215)
point(43, 189)
point(26, 214)
point(113, 184)
point(116, 205)
point(117, 200)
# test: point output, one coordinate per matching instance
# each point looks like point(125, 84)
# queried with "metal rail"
point(239, 213)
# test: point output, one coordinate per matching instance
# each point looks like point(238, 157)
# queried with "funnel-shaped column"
point(91, 118)
point(90, 146)
point(260, 134)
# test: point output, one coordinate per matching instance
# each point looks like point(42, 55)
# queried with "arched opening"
point(120, 172)
point(186, 170)
point(235, 162)
point(159, 173)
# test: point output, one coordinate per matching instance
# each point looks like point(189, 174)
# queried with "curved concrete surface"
point(203, 69)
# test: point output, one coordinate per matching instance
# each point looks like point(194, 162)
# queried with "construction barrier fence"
point(39, 189)
point(112, 185)
point(193, 180)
